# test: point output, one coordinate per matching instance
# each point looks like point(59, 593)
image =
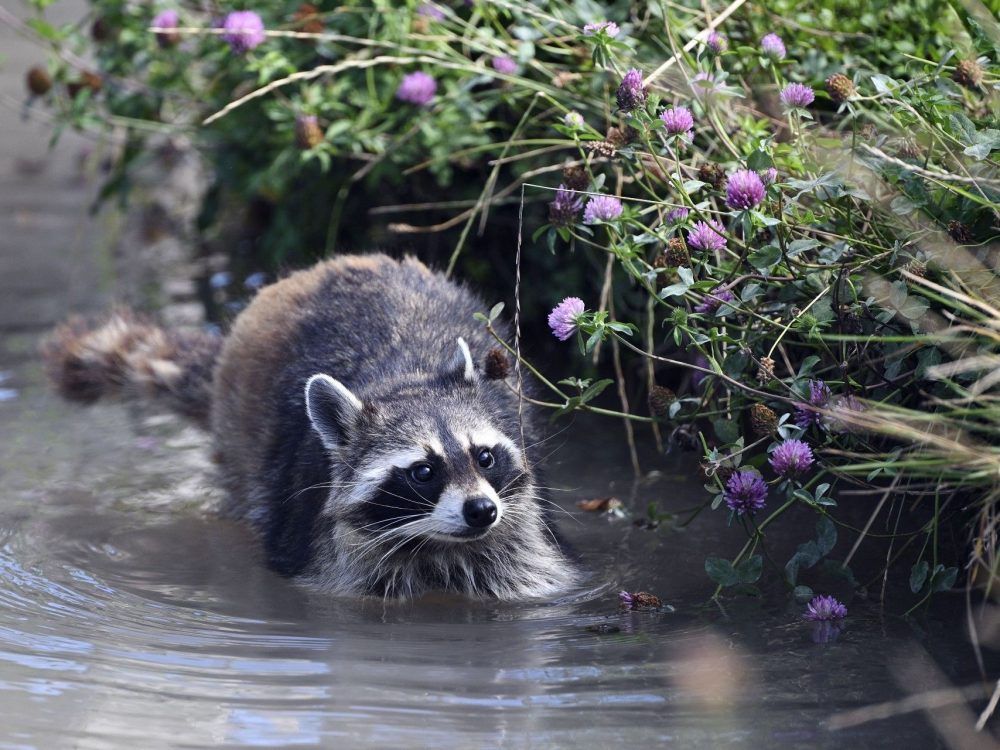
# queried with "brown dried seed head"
point(575, 178)
point(645, 599)
point(713, 174)
point(603, 148)
point(101, 30)
point(496, 366)
point(763, 420)
point(968, 73)
point(87, 80)
point(307, 19)
point(38, 81)
point(676, 254)
point(959, 232)
point(868, 132)
point(908, 149)
point(308, 133)
point(659, 401)
point(765, 372)
point(916, 268)
point(840, 87)
point(615, 136)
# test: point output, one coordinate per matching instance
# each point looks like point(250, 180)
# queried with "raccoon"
point(354, 429)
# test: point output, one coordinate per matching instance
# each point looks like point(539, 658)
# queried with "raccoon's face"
point(433, 460)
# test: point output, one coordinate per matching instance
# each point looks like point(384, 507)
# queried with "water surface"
point(130, 616)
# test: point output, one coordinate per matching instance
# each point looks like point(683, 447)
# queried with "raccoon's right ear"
point(332, 409)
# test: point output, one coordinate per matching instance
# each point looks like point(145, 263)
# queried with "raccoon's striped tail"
point(126, 355)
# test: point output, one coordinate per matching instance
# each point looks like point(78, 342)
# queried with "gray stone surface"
point(53, 251)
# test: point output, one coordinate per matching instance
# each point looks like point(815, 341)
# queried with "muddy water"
point(131, 617)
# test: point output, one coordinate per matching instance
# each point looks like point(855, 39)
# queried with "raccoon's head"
point(434, 459)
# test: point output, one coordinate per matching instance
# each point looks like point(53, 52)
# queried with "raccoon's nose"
point(479, 512)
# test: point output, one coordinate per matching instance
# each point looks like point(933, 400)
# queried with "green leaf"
point(985, 141)
point(805, 556)
point(826, 534)
point(918, 576)
point(943, 578)
point(765, 258)
point(735, 363)
point(496, 310)
point(807, 364)
point(750, 569)
point(721, 571)
point(726, 430)
point(759, 160)
point(802, 594)
point(595, 390)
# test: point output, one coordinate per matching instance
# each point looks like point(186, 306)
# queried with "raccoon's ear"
point(332, 409)
point(461, 364)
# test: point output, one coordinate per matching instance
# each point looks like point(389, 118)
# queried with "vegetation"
point(779, 219)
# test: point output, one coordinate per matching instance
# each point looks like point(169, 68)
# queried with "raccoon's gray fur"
point(353, 429)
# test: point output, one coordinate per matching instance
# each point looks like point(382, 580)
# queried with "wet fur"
point(386, 330)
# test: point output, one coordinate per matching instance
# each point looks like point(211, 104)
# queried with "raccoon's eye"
point(421, 472)
point(485, 458)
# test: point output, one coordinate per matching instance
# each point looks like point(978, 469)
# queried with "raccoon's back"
point(363, 319)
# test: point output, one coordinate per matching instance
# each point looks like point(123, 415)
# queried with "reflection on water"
point(130, 617)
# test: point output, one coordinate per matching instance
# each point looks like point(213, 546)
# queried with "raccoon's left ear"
point(332, 409)
point(461, 364)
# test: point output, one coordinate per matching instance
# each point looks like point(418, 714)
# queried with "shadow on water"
point(130, 614)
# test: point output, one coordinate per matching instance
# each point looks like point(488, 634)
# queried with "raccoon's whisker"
point(547, 438)
point(400, 543)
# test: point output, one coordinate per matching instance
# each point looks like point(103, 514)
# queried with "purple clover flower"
point(608, 27)
point(677, 215)
point(417, 88)
point(573, 119)
point(167, 19)
point(562, 319)
point(678, 121)
point(769, 175)
point(746, 492)
point(626, 599)
point(714, 300)
point(564, 207)
point(602, 208)
point(797, 96)
point(825, 608)
point(819, 396)
point(792, 457)
point(716, 42)
point(772, 47)
point(504, 64)
point(707, 237)
point(631, 94)
point(243, 30)
point(431, 11)
point(744, 190)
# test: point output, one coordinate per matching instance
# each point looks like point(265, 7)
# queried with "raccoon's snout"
point(479, 512)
